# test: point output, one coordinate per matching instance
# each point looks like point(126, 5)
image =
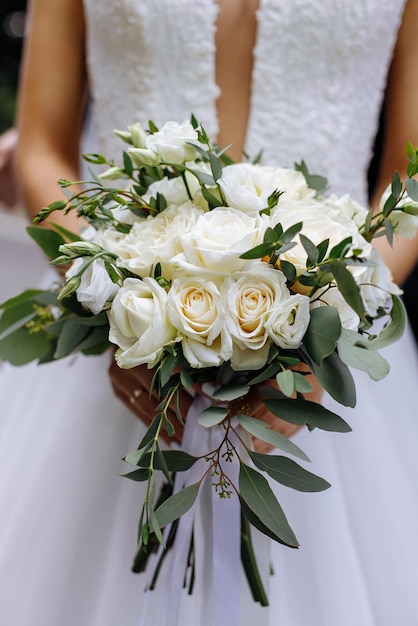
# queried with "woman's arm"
point(401, 125)
point(52, 97)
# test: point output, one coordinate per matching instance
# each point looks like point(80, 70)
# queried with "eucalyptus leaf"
point(162, 465)
point(228, 393)
point(302, 384)
point(176, 505)
point(259, 497)
point(360, 354)
point(215, 165)
point(22, 347)
point(212, 416)
point(286, 382)
point(286, 472)
point(29, 294)
point(411, 186)
point(394, 330)
point(335, 377)
point(305, 412)
point(71, 336)
point(323, 332)
point(139, 475)
point(262, 431)
point(310, 249)
point(348, 287)
point(48, 240)
point(175, 460)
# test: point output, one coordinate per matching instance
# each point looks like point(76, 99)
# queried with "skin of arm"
point(52, 96)
point(401, 125)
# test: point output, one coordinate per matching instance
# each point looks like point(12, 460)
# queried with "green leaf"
point(323, 332)
point(394, 330)
point(230, 392)
point(302, 384)
point(348, 287)
point(151, 432)
point(16, 316)
point(71, 336)
point(178, 504)
point(310, 249)
point(335, 377)
point(288, 473)
point(215, 166)
point(175, 460)
point(162, 465)
point(306, 412)
point(286, 382)
point(360, 354)
point(249, 563)
point(259, 497)
point(212, 416)
point(67, 234)
point(262, 431)
point(318, 183)
point(22, 297)
point(48, 240)
point(411, 186)
point(289, 270)
point(341, 248)
point(135, 457)
point(139, 475)
point(396, 184)
point(22, 347)
point(211, 199)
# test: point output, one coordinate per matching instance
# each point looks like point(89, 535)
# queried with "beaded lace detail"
point(318, 79)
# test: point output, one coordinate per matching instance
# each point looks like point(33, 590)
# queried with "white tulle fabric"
point(68, 519)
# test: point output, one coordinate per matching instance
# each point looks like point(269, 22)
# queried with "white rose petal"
point(139, 323)
point(247, 187)
point(153, 240)
point(171, 142)
point(288, 321)
point(195, 308)
point(250, 299)
point(96, 288)
point(215, 242)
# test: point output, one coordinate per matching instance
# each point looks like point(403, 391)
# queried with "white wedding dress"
point(68, 521)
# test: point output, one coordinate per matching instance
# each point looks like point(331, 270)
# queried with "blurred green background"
point(12, 28)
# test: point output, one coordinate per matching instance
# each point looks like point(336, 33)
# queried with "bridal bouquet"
point(221, 277)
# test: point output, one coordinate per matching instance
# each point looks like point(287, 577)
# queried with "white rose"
point(288, 321)
point(247, 187)
point(320, 222)
point(195, 308)
point(170, 144)
point(175, 192)
point(349, 207)
point(139, 324)
point(375, 282)
point(251, 297)
point(213, 245)
point(333, 297)
point(96, 288)
point(153, 240)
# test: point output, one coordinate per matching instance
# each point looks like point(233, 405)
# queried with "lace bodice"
point(318, 78)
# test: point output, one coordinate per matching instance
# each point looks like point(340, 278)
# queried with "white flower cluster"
point(219, 306)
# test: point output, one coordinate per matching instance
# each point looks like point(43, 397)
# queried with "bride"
point(296, 80)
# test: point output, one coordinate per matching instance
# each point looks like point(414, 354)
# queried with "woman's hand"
point(132, 386)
